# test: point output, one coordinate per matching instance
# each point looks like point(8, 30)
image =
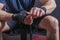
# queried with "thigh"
point(9, 25)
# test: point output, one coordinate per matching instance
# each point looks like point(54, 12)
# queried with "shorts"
point(13, 24)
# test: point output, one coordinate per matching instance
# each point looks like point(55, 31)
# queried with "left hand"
point(37, 12)
point(28, 20)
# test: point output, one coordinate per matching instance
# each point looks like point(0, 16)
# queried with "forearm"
point(50, 6)
point(4, 16)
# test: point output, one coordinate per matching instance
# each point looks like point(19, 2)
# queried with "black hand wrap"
point(20, 17)
point(44, 9)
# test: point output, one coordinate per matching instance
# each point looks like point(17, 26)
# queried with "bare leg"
point(3, 27)
point(50, 24)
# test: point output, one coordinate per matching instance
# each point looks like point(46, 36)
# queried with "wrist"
point(15, 17)
point(44, 9)
point(19, 17)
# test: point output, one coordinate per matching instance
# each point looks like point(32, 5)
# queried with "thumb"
point(31, 19)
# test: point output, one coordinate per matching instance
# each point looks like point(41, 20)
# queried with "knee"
point(49, 23)
point(53, 23)
point(52, 20)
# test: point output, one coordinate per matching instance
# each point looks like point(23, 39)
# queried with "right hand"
point(37, 12)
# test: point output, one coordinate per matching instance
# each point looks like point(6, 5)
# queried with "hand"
point(37, 12)
point(28, 20)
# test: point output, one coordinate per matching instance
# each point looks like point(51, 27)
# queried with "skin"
point(49, 23)
point(1, 5)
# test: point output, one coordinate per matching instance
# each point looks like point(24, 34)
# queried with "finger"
point(31, 20)
point(41, 13)
point(38, 13)
point(31, 11)
point(28, 13)
point(35, 11)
